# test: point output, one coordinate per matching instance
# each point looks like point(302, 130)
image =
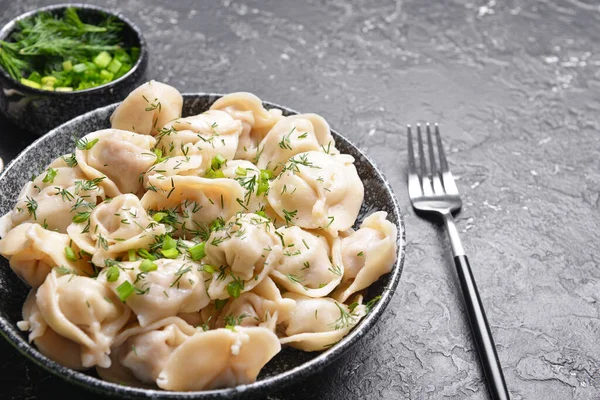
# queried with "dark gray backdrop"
point(515, 86)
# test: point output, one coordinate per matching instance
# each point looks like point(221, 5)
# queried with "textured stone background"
point(514, 84)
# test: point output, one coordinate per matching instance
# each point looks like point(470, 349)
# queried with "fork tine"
point(414, 186)
point(424, 173)
point(435, 175)
point(447, 178)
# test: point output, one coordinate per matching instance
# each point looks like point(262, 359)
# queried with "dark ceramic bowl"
point(289, 365)
point(41, 110)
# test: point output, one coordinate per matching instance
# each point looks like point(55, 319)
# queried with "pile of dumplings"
point(184, 252)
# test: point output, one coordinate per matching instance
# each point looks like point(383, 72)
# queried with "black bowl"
point(41, 110)
point(289, 365)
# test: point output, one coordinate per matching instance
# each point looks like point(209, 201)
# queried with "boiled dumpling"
point(176, 165)
point(148, 108)
point(260, 307)
point(309, 266)
point(316, 190)
point(144, 352)
point(256, 120)
point(48, 342)
point(208, 134)
point(221, 358)
point(367, 254)
point(33, 251)
point(114, 227)
point(318, 323)
point(254, 183)
point(159, 289)
point(245, 251)
point(55, 197)
point(116, 159)
point(198, 201)
point(85, 311)
point(293, 135)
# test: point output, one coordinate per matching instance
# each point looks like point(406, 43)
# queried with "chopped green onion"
point(114, 66)
point(106, 76)
point(145, 254)
point(81, 217)
point(131, 255)
point(113, 274)
point(147, 266)
point(67, 65)
point(262, 214)
point(217, 162)
point(241, 171)
point(169, 243)
point(79, 68)
point(50, 175)
point(266, 174)
point(263, 186)
point(170, 253)
point(103, 59)
point(197, 252)
point(159, 156)
point(124, 290)
point(159, 216)
point(208, 268)
point(212, 174)
point(48, 80)
point(70, 254)
point(63, 89)
point(31, 84)
point(35, 77)
point(235, 288)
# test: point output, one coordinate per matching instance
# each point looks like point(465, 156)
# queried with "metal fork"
point(432, 191)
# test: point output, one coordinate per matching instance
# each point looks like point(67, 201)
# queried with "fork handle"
point(480, 328)
point(481, 331)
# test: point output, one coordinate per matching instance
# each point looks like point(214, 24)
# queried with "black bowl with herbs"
point(60, 61)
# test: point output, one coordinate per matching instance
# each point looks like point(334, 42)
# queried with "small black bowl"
point(41, 110)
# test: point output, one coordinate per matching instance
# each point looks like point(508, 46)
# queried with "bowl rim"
point(276, 382)
point(10, 26)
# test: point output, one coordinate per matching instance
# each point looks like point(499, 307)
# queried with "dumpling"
point(254, 183)
point(208, 134)
point(261, 307)
point(158, 289)
point(367, 254)
point(222, 358)
point(243, 253)
point(114, 227)
point(33, 251)
point(256, 120)
point(116, 159)
point(198, 201)
point(176, 165)
point(316, 190)
point(48, 342)
point(321, 130)
point(293, 135)
point(142, 356)
point(309, 265)
point(55, 197)
point(148, 108)
point(318, 323)
point(84, 311)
